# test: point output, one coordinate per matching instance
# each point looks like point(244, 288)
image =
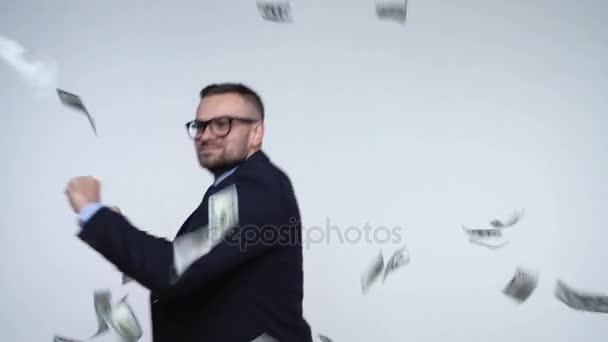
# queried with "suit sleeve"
point(149, 259)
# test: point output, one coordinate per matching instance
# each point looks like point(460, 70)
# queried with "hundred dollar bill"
point(189, 247)
point(275, 11)
point(489, 244)
point(58, 338)
point(223, 213)
point(395, 10)
point(323, 338)
point(511, 221)
point(400, 258)
point(490, 238)
point(125, 323)
point(482, 233)
point(521, 285)
point(371, 274)
point(583, 301)
point(74, 101)
point(119, 317)
point(103, 310)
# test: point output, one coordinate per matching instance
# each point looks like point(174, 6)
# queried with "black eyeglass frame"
point(203, 124)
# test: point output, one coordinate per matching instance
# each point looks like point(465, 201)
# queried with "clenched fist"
point(82, 191)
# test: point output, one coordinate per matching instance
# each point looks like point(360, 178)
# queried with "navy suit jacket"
point(250, 284)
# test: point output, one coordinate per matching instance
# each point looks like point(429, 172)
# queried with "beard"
point(220, 163)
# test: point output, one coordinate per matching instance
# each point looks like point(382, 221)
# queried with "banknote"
point(395, 10)
point(74, 101)
point(579, 300)
point(511, 221)
point(371, 273)
point(323, 338)
point(119, 317)
point(400, 258)
point(223, 213)
point(482, 233)
point(491, 244)
point(103, 309)
point(275, 11)
point(521, 285)
point(58, 338)
point(189, 247)
point(490, 238)
point(124, 322)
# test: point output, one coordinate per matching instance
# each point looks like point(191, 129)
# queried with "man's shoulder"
point(263, 174)
point(260, 166)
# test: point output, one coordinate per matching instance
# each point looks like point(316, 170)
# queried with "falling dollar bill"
point(189, 247)
point(489, 244)
point(223, 213)
point(74, 101)
point(511, 221)
point(583, 301)
point(395, 10)
point(490, 238)
point(124, 322)
point(372, 273)
point(521, 285)
point(275, 11)
point(323, 338)
point(103, 309)
point(119, 317)
point(400, 258)
point(482, 233)
point(58, 338)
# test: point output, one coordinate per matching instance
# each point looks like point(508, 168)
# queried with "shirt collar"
point(224, 175)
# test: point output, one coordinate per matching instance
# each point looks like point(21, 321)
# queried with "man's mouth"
point(206, 149)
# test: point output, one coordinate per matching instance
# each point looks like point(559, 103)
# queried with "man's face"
point(244, 138)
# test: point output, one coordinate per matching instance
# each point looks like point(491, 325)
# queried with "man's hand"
point(82, 191)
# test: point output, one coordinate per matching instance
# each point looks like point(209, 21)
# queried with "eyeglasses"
point(220, 126)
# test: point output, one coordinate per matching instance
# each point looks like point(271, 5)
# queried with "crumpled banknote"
point(521, 285)
point(400, 258)
point(372, 273)
point(119, 317)
point(275, 11)
point(75, 102)
point(511, 221)
point(579, 300)
point(393, 10)
point(490, 238)
point(103, 310)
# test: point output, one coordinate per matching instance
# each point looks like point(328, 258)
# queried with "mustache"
point(208, 144)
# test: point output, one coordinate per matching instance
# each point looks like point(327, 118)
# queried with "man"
point(251, 283)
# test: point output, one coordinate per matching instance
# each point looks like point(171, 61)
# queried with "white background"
point(471, 110)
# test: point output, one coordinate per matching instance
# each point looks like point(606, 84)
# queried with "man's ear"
point(258, 135)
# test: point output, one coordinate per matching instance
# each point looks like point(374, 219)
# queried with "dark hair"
point(237, 88)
